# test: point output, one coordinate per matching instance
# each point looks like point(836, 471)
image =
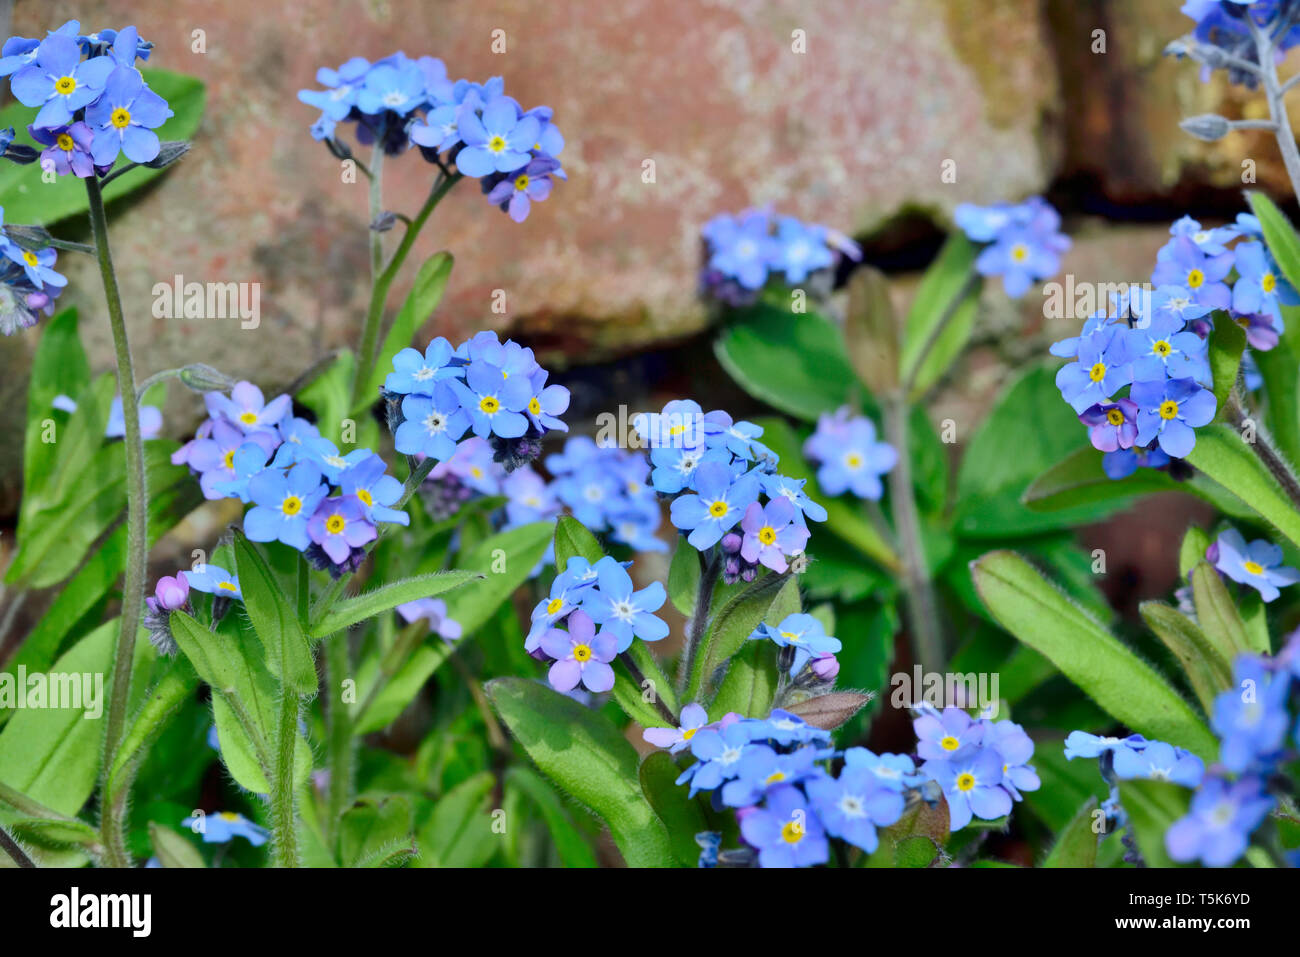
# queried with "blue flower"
point(792, 489)
point(282, 505)
point(1102, 366)
point(1080, 744)
point(740, 247)
point(38, 266)
point(1161, 350)
point(528, 498)
point(853, 805)
point(806, 635)
point(785, 729)
point(983, 224)
point(761, 768)
point(497, 142)
point(1258, 564)
point(1028, 249)
point(1212, 241)
point(394, 84)
point(719, 503)
point(124, 119)
point(941, 735)
point(1158, 761)
point(718, 752)
point(376, 490)
point(1219, 823)
point(1181, 263)
point(971, 781)
point(336, 101)
point(771, 535)
point(1015, 748)
point(249, 459)
point(431, 426)
point(516, 192)
point(674, 468)
point(621, 611)
point(1259, 287)
point(1251, 718)
point(224, 827)
point(849, 457)
point(1169, 411)
point(547, 403)
point(416, 373)
point(892, 771)
point(785, 832)
point(800, 249)
point(59, 81)
point(693, 718)
point(213, 580)
point(494, 399)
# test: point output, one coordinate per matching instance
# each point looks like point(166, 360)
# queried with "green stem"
point(922, 607)
point(10, 847)
point(1268, 456)
point(284, 810)
point(384, 280)
point(709, 572)
point(337, 668)
point(111, 823)
point(376, 210)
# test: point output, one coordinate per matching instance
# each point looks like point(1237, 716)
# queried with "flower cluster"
point(304, 492)
point(608, 489)
point(1155, 343)
point(1258, 564)
point(847, 455)
point(92, 104)
point(400, 102)
point(28, 283)
point(715, 471)
point(743, 251)
point(583, 596)
point(776, 773)
point(493, 389)
point(1024, 241)
point(803, 641)
point(980, 765)
point(172, 593)
point(1223, 30)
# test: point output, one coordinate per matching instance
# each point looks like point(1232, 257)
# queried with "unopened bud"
point(1208, 127)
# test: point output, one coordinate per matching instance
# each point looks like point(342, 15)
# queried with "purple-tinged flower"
point(368, 480)
point(1112, 426)
point(941, 735)
point(67, 149)
point(497, 142)
point(1181, 263)
point(247, 408)
point(1170, 411)
point(283, 504)
point(338, 526)
point(59, 81)
point(214, 458)
point(1103, 366)
point(434, 612)
point(124, 119)
point(517, 191)
point(717, 505)
point(581, 656)
point(622, 612)
point(771, 534)
point(1258, 564)
point(472, 464)
point(1219, 823)
point(1015, 748)
point(853, 805)
point(1263, 332)
point(171, 593)
point(785, 832)
point(693, 718)
point(971, 781)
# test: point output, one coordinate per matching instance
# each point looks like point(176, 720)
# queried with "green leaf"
point(426, 292)
point(275, 620)
point(376, 831)
point(1192, 550)
point(588, 757)
point(1281, 372)
point(1216, 614)
point(399, 690)
point(684, 577)
point(1123, 685)
point(570, 845)
point(795, 363)
point(682, 817)
point(1206, 668)
point(1076, 846)
point(871, 331)
point(1152, 807)
point(59, 832)
point(27, 199)
point(174, 689)
point(1078, 480)
point(1227, 340)
point(750, 685)
point(368, 604)
point(1224, 456)
point(173, 850)
point(914, 840)
point(573, 540)
point(329, 394)
point(459, 834)
point(59, 366)
point(947, 278)
point(1279, 235)
point(770, 598)
point(631, 695)
point(502, 563)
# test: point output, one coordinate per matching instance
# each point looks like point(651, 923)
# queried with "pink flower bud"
point(826, 667)
point(172, 592)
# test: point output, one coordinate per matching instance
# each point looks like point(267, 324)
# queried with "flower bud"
point(1208, 127)
point(203, 378)
point(826, 667)
point(172, 592)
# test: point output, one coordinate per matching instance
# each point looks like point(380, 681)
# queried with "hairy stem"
point(922, 606)
point(10, 847)
point(284, 810)
point(337, 667)
point(639, 677)
point(1276, 105)
point(111, 823)
point(710, 569)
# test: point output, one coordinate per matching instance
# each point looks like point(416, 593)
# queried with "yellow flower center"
point(365, 496)
point(776, 777)
point(1168, 409)
point(582, 652)
point(65, 85)
point(767, 534)
point(1019, 252)
point(292, 505)
point(29, 257)
point(1268, 282)
point(949, 743)
point(1115, 417)
point(521, 182)
point(965, 781)
point(1195, 279)
point(853, 460)
point(1255, 568)
point(554, 605)
point(1097, 372)
point(121, 118)
point(65, 142)
point(476, 471)
point(228, 816)
point(497, 144)
point(248, 418)
point(688, 733)
point(230, 459)
point(489, 404)
point(227, 586)
point(1162, 348)
point(534, 406)
point(335, 524)
point(719, 509)
point(792, 833)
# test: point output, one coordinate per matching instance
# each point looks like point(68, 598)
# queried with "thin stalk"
point(284, 810)
point(1273, 92)
point(922, 606)
point(10, 847)
point(136, 517)
point(408, 639)
point(1268, 456)
point(639, 677)
point(376, 210)
point(384, 281)
point(709, 572)
point(337, 667)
